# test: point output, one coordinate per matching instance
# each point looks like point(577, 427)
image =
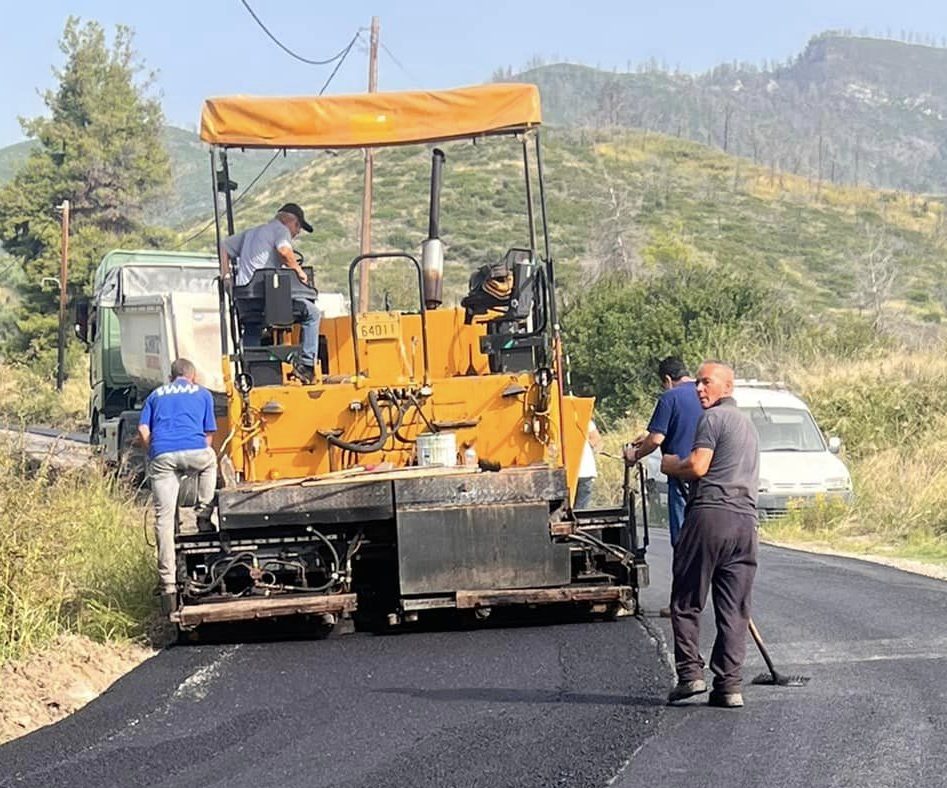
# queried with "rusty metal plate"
point(270, 607)
point(446, 549)
point(290, 505)
point(623, 595)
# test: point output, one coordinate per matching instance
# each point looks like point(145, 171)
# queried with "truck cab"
point(112, 390)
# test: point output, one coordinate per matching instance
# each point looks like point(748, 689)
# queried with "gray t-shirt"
point(256, 248)
point(733, 479)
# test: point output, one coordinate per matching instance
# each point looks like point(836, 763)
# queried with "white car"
point(796, 461)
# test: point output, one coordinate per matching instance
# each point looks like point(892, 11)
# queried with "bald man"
point(717, 547)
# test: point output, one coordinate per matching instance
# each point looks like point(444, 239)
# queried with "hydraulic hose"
point(201, 589)
point(360, 448)
point(427, 422)
point(625, 556)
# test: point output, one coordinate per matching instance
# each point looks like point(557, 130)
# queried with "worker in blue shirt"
point(176, 426)
point(672, 427)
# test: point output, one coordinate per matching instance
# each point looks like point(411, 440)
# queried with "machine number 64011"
point(379, 325)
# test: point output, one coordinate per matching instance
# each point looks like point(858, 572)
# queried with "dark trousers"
point(717, 552)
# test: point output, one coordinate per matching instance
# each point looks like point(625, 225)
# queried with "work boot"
point(205, 523)
point(686, 689)
point(304, 372)
point(169, 602)
point(725, 700)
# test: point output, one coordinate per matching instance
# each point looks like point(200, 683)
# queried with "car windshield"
point(785, 429)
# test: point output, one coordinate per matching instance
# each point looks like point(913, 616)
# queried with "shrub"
point(878, 403)
point(618, 330)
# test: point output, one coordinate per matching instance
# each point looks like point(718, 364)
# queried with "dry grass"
point(899, 508)
point(894, 400)
point(74, 557)
point(27, 397)
point(891, 412)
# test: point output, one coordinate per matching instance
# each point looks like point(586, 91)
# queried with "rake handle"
point(759, 644)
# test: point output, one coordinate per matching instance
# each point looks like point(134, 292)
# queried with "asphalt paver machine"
point(431, 462)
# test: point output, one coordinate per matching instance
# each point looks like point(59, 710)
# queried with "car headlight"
point(836, 483)
point(764, 485)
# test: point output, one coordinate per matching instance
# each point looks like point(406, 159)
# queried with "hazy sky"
point(213, 47)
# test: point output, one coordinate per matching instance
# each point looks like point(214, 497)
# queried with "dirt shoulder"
point(52, 684)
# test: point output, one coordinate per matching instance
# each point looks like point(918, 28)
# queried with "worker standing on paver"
point(717, 548)
point(176, 426)
point(588, 468)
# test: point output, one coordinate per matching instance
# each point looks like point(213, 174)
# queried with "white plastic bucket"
point(437, 448)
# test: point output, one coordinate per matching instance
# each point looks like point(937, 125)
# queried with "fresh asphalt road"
point(874, 642)
point(569, 705)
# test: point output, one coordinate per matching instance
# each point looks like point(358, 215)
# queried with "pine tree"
point(100, 148)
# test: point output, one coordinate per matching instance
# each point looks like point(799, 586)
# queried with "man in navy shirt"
point(672, 427)
point(176, 425)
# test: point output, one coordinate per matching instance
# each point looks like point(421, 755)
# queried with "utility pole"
point(63, 281)
point(365, 241)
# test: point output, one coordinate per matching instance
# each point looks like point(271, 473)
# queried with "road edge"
point(911, 566)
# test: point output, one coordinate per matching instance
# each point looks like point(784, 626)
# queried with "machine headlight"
point(764, 485)
point(836, 483)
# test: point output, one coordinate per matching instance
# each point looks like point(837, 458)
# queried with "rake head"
point(775, 679)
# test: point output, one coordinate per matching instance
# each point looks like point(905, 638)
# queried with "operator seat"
point(509, 289)
point(266, 303)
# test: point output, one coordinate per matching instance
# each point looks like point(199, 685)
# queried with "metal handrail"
point(378, 256)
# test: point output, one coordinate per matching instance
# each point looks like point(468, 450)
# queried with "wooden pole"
point(63, 281)
point(365, 241)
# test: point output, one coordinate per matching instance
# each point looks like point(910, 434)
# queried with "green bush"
point(619, 330)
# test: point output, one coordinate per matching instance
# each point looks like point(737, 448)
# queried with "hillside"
point(190, 168)
point(11, 157)
point(847, 110)
point(635, 202)
point(855, 111)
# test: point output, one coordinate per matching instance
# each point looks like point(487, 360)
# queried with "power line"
point(8, 267)
point(398, 63)
point(343, 54)
point(340, 54)
point(239, 197)
point(338, 65)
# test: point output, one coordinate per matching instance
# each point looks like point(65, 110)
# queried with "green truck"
point(147, 307)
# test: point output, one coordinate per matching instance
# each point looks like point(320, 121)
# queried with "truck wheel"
point(94, 437)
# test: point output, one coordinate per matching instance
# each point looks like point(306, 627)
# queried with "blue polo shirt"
point(675, 417)
point(179, 415)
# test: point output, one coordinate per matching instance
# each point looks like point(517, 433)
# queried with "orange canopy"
point(369, 119)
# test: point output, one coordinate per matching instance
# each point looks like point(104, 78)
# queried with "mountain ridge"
point(853, 110)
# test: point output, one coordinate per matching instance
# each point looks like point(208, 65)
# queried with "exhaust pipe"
point(432, 249)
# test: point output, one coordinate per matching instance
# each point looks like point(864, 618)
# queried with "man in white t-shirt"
point(588, 470)
point(270, 245)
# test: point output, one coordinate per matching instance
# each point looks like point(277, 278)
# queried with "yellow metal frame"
point(284, 436)
point(280, 432)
